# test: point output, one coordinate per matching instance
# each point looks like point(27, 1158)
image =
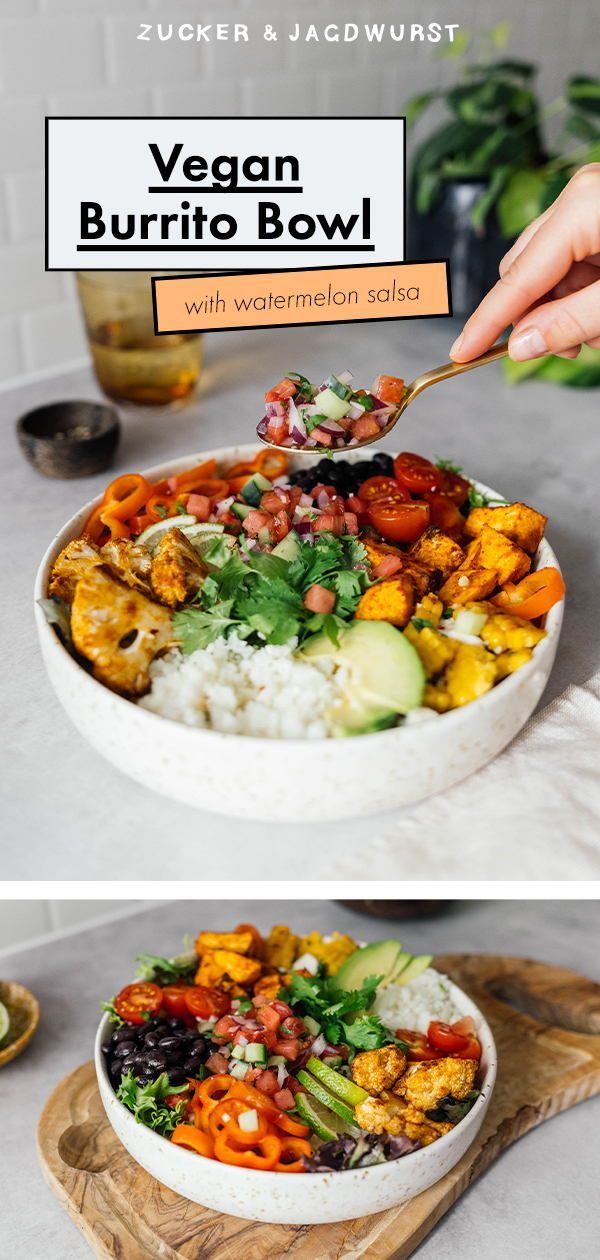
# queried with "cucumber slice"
point(256, 1053)
point(312, 1025)
point(241, 510)
point(238, 1052)
point(322, 1094)
point(153, 534)
point(339, 1085)
point(288, 548)
point(339, 388)
point(331, 406)
point(255, 487)
point(320, 1119)
point(277, 1060)
point(239, 1070)
point(4, 1023)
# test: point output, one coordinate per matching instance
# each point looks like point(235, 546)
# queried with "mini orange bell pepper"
point(126, 495)
point(186, 1135)
point(292, 1151)
point(264, 1155)
point(534, 596)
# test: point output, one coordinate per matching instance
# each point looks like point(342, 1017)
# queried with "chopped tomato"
point(322, 436)
point(534, 596)
point(267, 1083)
point(273, 501)
point(365, 427)
point(174, 999)
point(280, 526)
point(289, 1047)
point(285, 389)
point(203, 1003)
point(416, 473)
point(198, 505)
point(257, 520)
point(284, 1099)
point(321, 488)
point(277, 430)
point(138, 1001)
point(390, 389)
point(402, 522)
point(444, 512)
point(351, 522)
point(319, 599)
point(225, 1028)
point(456, 487)
point(381, 488)
point(293, 1026)
point(388, 566)
point(330, 522)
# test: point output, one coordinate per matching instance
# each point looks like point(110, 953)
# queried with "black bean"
point(151, 1040)
point(176, 1024)
point(157, 1062)
point(177, 1076)
point(123, 1034)
point(190, 1066)
point(169, 1043)
point(128, 1064)
point(123, 1049)
point(383, 463)
point(106, 1050)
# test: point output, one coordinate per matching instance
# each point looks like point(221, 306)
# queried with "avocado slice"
point(413, 968)
point(385, 674)
point(322, 1095)
point(401, 963)
point(339, 1085)
point(377, 959)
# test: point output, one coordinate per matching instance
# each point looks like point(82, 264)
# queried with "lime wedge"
point(4, 1023)
point(339, 1085)
point(319, 1092)
point(321, 1120)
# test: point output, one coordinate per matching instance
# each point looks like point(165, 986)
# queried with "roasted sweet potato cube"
point(436, 550)
point(466, 585)
point(222, 962)
point(492, 550)
point(522, 524)
point(392, 600)
point(423, 579)
point(237, 942)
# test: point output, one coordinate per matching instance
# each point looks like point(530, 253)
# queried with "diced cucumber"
point(338, 387)
point(256, 1053)
point(277, 1060)
point(312, 1025)
point(152, 535)
point(255, 487)
point(331, 406)
point(288, 548)
point(264, 536)
point(238, 1052)
point(241, 510)
point(239, 1070)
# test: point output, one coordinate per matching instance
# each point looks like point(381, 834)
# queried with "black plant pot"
point(447, 232)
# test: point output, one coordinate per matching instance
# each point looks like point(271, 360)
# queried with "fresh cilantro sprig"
point(148, 1105)
point(447, 465)
point(420, 623)
point(332, 1008)
point(262, 598)
point(110, 1009)
point(476, 499)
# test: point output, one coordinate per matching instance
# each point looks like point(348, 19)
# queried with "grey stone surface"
point(83, 818)
point(538, 1200)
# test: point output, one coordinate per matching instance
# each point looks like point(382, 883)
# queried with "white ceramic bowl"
point(270, 779)
point(310, 1199)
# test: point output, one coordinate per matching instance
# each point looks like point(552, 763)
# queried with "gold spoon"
point(411, 391)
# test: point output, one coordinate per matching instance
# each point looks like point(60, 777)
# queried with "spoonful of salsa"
point(335, 414)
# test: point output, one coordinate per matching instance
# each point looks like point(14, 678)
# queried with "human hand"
point(549, 287)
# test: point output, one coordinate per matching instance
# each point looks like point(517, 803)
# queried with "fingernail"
point(528, 344)
point(455, 347)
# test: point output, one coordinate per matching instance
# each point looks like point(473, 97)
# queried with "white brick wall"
point(82, 57)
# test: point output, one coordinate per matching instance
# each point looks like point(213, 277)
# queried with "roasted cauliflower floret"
point(471, 673)
point(128, 561)
point(119, 631)
point(425, 1084)
point(492, 550)
point(436, 550)
point(510, 662)
point(522, 524)
point(389, 1115)
point(509, 633)
point(375, 1070)
point(467, 584)
point(237, 942)
point(76, 559)
point(392, 600)
point(281, 947)
point(176, 571)
point(333, 952)
point(434, 649)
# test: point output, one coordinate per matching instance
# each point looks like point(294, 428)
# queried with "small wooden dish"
point(24, 1014)
point(70, 439)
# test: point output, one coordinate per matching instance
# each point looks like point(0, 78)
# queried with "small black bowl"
point(69, 439)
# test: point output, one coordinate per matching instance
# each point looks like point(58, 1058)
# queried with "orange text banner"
point(318, 295)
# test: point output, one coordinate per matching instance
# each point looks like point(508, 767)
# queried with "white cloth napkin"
point(533, 813)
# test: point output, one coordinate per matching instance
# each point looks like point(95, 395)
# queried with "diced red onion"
point(262, 427)
point(276, 409)
point(318, 1045)
point(242, 1041)
point(281, 1075)
point(332, 427)
point(322, 499)
point(305, 500)
point(224, 504)
point(298, 436)
point(356, 411)
point(303, 527)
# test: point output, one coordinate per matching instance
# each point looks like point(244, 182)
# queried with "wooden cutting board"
point(546, 1022)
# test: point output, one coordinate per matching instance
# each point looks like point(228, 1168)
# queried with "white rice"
point(238, 689)
point(415, 1004)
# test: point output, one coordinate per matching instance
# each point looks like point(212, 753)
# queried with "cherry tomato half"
point(203, 1003)
point(444, 512)
point(445, 1037)
point(456, 487)
point(416, 473)
point(419, 1050)
point(402, 522)
point(174, 999)
point(137, 1001)
point(381, 488)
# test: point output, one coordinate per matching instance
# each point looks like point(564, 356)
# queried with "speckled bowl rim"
point(270, 1180)
point(453, 721)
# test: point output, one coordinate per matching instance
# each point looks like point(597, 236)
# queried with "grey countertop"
point(82, 817)
point(538, 1199)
